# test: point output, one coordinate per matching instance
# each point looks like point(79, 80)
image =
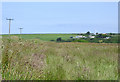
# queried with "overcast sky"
point(60, 17)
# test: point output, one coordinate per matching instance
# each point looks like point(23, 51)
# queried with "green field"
point(66, 38)
point(35, 57)
point(44, 37)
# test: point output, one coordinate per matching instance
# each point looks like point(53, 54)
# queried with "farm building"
point(91, 36)
point(107, 38)
point(80, 36)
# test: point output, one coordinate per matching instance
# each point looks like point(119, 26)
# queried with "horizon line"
point(58, 33)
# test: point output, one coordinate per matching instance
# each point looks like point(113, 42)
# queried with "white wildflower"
point(77, 64)
point(10, 51)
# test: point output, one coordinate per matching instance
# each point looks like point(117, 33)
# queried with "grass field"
point(44, 37)
point(40, 59)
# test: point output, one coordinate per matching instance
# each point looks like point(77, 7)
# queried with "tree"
point(88, 33)
point(58, 39)
point(97, 33)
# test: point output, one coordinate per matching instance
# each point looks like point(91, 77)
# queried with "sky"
point(60, 17)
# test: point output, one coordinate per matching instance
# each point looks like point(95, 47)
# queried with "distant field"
point(45, 37)
point(66, 38)
point(34, 59)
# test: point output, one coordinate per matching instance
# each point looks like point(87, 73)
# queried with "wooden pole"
point(9, 25)
point(20, 32)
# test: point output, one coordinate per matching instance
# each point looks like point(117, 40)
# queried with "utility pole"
point(20, 31)
point(9, 24)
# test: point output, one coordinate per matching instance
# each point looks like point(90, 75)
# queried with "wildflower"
point(21, 43)
point(2, 46)
point(10, 51)
point(77, 64)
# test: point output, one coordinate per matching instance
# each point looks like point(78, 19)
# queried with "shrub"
point(58, 39)
point(52, 40)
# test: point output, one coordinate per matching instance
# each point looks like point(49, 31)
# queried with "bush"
point(52, 40)
point(101, 36)
point(58, 39)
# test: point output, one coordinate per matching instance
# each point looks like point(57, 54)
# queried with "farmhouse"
point(80, 36)
point(91, 36)
point(107, 38)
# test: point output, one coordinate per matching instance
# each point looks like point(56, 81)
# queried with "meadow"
point(35, 57)
point(43, 37)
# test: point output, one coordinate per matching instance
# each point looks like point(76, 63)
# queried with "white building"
point(107, 38)
point(91, 36)
point(80, 36)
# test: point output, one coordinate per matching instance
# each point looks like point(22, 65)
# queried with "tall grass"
point(0, 57)
point(39, 60)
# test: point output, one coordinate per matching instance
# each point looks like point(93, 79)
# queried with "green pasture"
point(44, 37)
